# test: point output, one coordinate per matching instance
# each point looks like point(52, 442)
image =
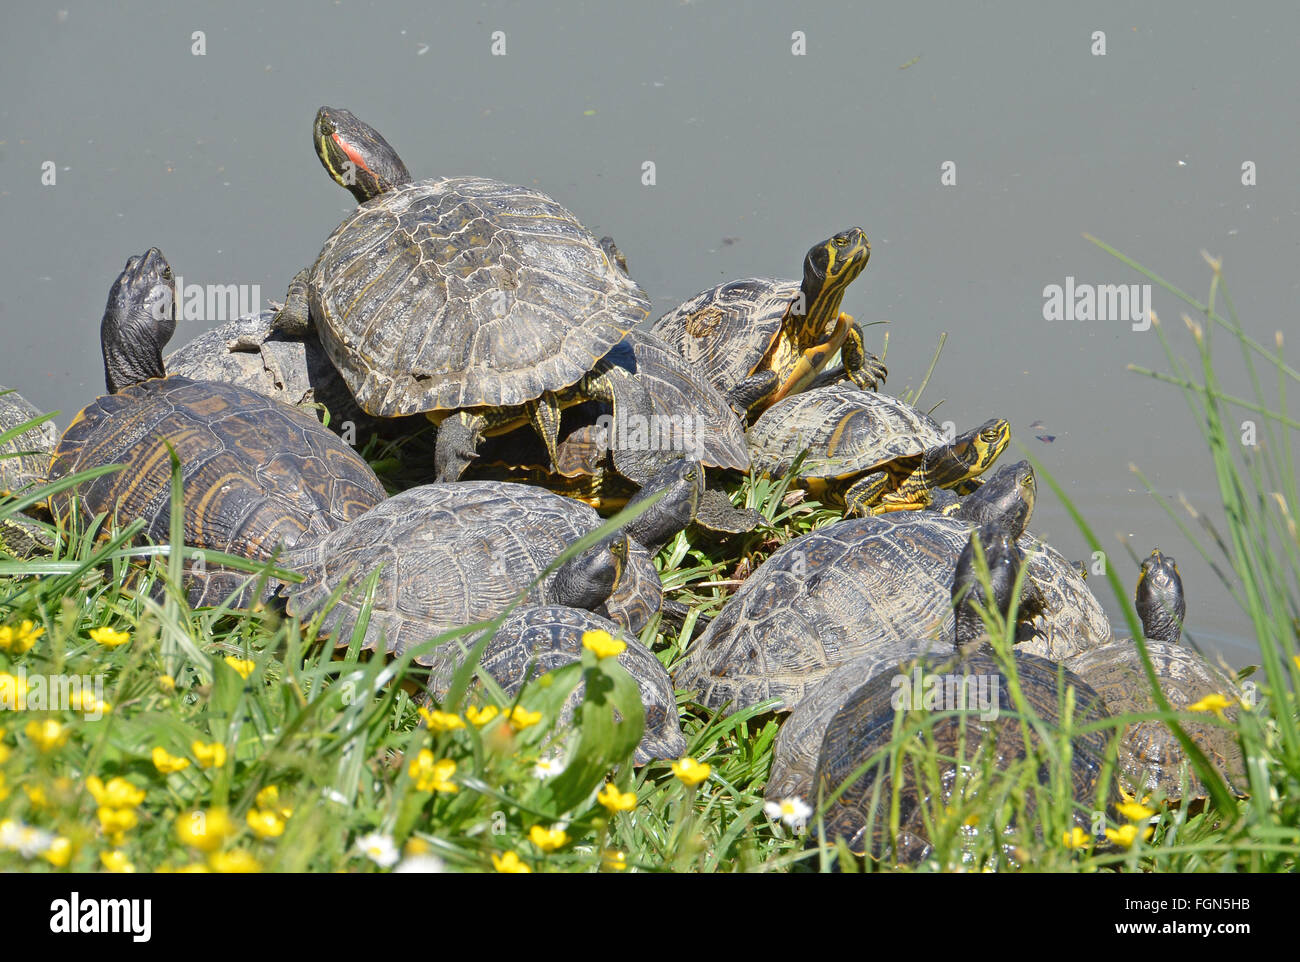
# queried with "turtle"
point(258, 475)
point(1007, 499)
point(1151, 758)
point(452, 554)
point(863, 728)
point(868, 451)
point(24, 461)
point(857, 586)
point(659, 411)
point(482, 305)
point(760, 339)
point(534, 640)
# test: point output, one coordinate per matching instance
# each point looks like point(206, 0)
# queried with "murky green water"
point(757, 152)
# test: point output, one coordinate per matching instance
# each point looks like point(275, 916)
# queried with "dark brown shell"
point(35, 445)
point(864, 726)
point(258, 475)
point(533, 641)
point(1151, 758)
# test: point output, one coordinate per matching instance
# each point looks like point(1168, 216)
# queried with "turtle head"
point(587, 579)
point(832, 264)
point(1003, 559)
point(1159, 600)
point(356, 155)
point(1007, 497)
point(971, 453)
point(680, 485)
point(139, 320)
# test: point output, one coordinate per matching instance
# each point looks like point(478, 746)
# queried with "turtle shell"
point(850, 588)
point(845, 430)
point(249, 353)
point(533, 641)
point(24, 458)
point(724, 332)
point(258, 475)
point(864, 726)
point(450, 555)
point(1151, 759)
point(794, 753)
point(462, 292)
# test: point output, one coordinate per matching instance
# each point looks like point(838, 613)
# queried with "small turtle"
point(760, 339)
point(861, 585)
point(24, 461)
point(258, 475)
point(861, 732)
point(1151, 758)
point(454, 554)
point(482, 305)
point(534, 640)
point(867, 451)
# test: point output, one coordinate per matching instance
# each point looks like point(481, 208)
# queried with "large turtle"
point(868, 451)
point(258, 475)
point(760, 339)
point(981, 724)
point(453, 554)
point(534, 640)
point(457, 294)
point(1151, 758)
point(1007, 499)
point(859, 585)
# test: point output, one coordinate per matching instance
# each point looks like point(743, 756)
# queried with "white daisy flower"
point(547, 768)
point(793, 811)
point(420, 863)
point(379, 848)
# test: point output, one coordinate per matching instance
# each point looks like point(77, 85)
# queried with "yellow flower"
point(36, 795)
point(509, 864)
point(616, 801)
point(416, 846)
point(441, 721)
point(85, 701)
point(689, 771)
point(1075, 838)
point(4, 754)
point(46, 735)
point(59, 853)
point(204, 830)
point(233, 862)
point(612, 861)
point(4, 792)
point(13, 690)
point(167, 683)
point(118, 793)
point(114, 821)
point(1215, 703)
point(109, 637)
point(547, 839)
point(265, 824)
point(241, 665)
point(116, 861)
point(1135, 812)
point(210, 755)
point(1126, 835)
point(168, 763)
point(195, 868)
point(602, 643)
point(19, 640)
point(432, 776)
point(481, 716)
point(269, 799)
point(521, 717)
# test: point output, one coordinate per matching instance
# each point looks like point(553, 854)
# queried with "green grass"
point(336, 734)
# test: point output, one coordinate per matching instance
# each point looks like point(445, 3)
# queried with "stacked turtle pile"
point(490, 310)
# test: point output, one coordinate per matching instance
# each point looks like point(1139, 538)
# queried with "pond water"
point(975, 146)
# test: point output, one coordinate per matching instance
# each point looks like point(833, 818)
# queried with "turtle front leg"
point(294, 318)
point(544, 416)
point(459, 435)
point(863, 368)
point(865, 492)
point(750, 393)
